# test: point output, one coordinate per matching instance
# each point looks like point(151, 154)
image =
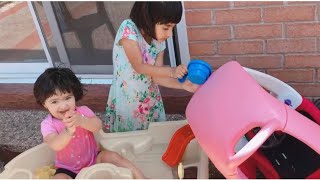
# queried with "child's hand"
point(189, 86)
point(72, 120)
point(68, 122)
point(179, 71)
point(71, 130)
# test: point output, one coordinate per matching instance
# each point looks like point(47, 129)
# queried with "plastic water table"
point(145, 148)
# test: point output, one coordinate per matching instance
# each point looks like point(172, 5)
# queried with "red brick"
point(309, 90)
point(302, 2)
point(256, 3)
point(255, 62)
point(240, 47)
point(289, 13)
point(208, 33)
point(260, 62)
point(292, 45)
point(293, 75)
point(201, 49)
point(237, 16)
point(318, 75)
point(20, 96)
point(258, 31)
point(198, 17)
point(205, 4)
point(175, 101)
point(302, 61)
point(216, 62)
point(318, 10)
point(303, 30)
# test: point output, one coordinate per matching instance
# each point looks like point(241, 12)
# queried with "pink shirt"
point(82, 149)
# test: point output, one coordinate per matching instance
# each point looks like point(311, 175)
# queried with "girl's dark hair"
point(147, 14)
point(53, 79)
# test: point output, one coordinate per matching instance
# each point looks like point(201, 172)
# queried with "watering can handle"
point(181, 80)
point(252, 146)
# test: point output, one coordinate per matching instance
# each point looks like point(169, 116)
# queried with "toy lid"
point(202, 62)
point(199, 74)
point(198, 77)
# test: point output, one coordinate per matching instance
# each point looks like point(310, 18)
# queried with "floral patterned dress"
point(134, 99)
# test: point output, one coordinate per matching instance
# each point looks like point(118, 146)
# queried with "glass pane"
point(43, 21)
point(88, 29)
point(19, 38)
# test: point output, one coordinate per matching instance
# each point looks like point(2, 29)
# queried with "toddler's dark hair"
point(147, 14)
point(57, 78)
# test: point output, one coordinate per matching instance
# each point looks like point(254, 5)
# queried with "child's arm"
point(133, 53)
point(165, 81)
point(168, 82)
point(92, 124)
point(58, 141)
point(172, 82)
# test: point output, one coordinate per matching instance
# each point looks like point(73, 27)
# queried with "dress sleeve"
point(127, 30)
point(47, 127)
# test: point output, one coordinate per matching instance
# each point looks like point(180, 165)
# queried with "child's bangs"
point(167, 13)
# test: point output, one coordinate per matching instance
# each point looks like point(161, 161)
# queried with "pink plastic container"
point(230, 104)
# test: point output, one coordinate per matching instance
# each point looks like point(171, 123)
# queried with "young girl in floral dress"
point(134, 98)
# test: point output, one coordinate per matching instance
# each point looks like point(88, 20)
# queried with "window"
point(78, 35)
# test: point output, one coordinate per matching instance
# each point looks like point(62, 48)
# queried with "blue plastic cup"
point(198, 72)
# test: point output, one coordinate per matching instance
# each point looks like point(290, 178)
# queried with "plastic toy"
point(282, 155)
point(45, 172)
point(285, 93)
point(180, 171)
point(177, 146)
point(145, 148)
point(198, 72)
point(230, 104)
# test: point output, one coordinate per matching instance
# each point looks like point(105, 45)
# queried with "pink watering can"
point(231, 103)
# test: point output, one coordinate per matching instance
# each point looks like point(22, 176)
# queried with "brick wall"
point(20, 96)
point(279, 38)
